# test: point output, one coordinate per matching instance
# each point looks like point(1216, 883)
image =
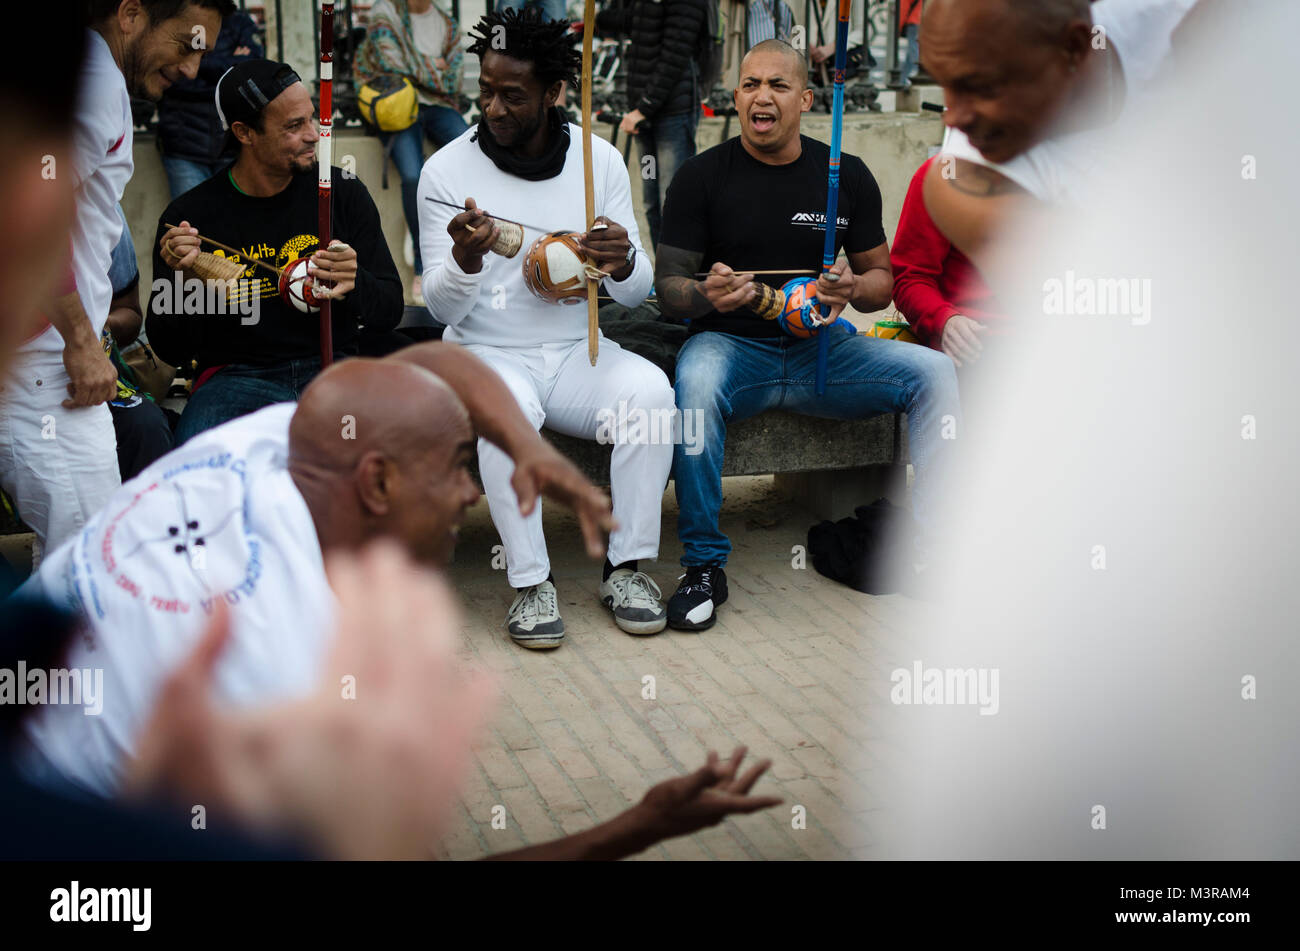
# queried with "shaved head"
point(772, 95)
point(798, 69)
point(1043, 21)
point(382, 448)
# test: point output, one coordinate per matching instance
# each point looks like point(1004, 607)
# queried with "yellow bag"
point(892, 330)
point(389, 103)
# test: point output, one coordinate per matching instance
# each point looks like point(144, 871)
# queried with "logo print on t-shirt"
point(814, 219)
point(179, 547)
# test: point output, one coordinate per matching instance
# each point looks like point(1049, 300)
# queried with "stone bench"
point(829, 466)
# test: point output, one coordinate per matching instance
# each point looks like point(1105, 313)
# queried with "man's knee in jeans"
point(224, 397)
point(702, 368)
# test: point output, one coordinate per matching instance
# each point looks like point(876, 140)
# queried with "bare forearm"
point(680, 296)
point(70, 320)
point(493, 410)
point(872, 290)
point(125, 318)
point(626, 834)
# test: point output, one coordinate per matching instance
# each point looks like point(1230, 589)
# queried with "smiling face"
point(1003, 85)
point(435, 490)
point(287, 141)
point(771, 97)
point(514, 102)
point(156, 55)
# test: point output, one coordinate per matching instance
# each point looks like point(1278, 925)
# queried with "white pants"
point(556, 384)
point(58, 465)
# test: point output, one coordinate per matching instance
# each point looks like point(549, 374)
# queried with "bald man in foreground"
point(239, 522)
point(244, 516)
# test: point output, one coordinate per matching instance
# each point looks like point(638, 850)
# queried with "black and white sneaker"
point(692, 607)
point(534, 620)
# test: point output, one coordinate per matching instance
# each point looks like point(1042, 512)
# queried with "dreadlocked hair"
point(525, 35)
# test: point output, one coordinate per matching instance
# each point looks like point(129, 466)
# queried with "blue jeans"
point(441, 124)
point(237, 390)
point(184, 174)
point(912, 58)
point(551, 9)
point(724, 378)
point(670, 140)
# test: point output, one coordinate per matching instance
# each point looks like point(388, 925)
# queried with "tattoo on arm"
point(981, 182)
point(678, 287)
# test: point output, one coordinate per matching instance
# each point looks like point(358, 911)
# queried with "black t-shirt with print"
point(749, 215)
point(276, 230)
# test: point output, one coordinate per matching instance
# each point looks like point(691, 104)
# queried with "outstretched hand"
point(705, 797)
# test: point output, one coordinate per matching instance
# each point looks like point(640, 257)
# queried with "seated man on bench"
point(756, 202)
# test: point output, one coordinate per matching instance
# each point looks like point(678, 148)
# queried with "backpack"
point(709, 52)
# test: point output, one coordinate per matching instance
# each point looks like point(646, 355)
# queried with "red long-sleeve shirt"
point(932, 279)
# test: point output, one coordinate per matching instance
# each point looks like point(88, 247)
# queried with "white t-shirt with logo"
point(102, 165)
point(1059, 170)
point(217, 520)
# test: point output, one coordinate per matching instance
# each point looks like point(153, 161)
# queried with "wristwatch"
point(631, 254)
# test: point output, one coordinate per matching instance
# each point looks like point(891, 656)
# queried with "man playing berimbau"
point(524, 161)
point(265, 206)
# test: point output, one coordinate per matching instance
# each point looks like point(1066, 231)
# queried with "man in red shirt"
point(936, 287)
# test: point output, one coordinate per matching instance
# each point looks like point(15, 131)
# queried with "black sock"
point(610, 569)
point(549, 577)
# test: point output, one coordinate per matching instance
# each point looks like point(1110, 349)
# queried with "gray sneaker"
point(534, 620)
point(635, 600)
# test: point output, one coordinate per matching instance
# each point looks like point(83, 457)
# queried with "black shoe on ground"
point(694, 605)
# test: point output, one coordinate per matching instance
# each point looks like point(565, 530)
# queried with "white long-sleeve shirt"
point(102, 164)
point(494, 306)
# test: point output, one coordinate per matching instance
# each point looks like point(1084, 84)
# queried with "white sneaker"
point(534, 620)
point(635, 600)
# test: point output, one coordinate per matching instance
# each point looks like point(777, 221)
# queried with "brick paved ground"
point(785, 671)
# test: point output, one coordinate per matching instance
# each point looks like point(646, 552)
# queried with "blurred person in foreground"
point(1031, 88)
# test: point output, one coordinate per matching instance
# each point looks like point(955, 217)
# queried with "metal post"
point(279, 32)
point(892, 68)
point(807, 32)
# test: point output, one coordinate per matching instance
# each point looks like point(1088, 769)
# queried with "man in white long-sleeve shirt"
point(58, 452)
point(525, 163)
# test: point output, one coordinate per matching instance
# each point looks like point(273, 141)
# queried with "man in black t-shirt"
point(258, 349)
point(759, 202)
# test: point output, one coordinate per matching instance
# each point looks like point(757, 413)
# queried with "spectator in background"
point(414, 39)
point(768, 20)
point(190, 136)
point(143, 432)
point(909, 27)
point(936, 287)
point(663, 91)
point(824, 52)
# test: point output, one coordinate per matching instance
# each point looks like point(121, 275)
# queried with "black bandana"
point(547, 165)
